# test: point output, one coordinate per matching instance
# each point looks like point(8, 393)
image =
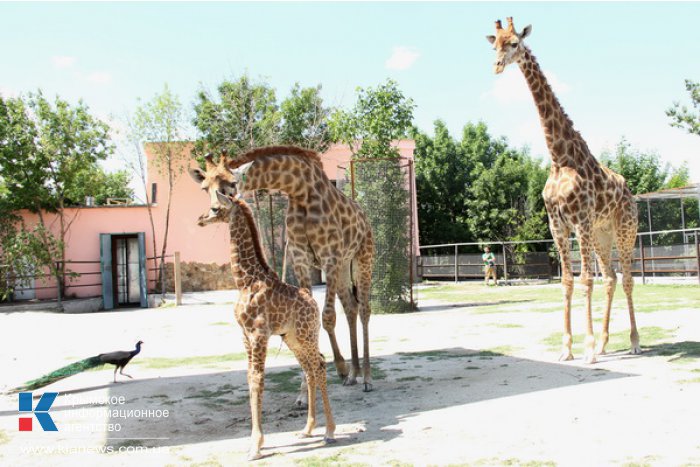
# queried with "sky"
point(615, 66)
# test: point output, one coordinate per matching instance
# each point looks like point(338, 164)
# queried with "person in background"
point(489, 266)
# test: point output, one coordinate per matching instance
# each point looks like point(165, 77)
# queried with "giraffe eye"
point(514, 45)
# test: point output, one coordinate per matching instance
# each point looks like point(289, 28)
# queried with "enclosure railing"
point(649, 260)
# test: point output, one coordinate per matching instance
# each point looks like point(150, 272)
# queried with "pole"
point(178, 280)
point(456, 265)
point(272, 232)
point(284, 261)
point(697, 252)
point(641, 250)
point(505, 263)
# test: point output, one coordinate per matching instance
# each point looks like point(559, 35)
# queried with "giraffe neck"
point(247, 261)
point(558, 127)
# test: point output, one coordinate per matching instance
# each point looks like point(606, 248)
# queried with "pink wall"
point(195, 244)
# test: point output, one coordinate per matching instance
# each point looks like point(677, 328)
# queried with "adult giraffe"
point(324, 228)
point(580, 196)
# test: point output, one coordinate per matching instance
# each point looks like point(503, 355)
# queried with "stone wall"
point(197, 277)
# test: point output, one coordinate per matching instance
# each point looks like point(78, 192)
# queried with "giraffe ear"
point(491, 39)
point(223, 199)
point(197, 175)
point(526, 32)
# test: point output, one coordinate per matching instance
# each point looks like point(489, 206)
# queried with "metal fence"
point(384, 190)
point(678, 256)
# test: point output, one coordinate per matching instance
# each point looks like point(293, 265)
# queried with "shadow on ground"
point(214, 406)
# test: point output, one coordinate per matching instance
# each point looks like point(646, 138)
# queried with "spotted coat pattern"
point(581, 197)
point(267, 306)
point(324, 228)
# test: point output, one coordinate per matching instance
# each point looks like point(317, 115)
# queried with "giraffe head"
point(217, 178)
point(508, 44)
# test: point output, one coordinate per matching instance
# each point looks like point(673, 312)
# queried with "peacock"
point(119, 359)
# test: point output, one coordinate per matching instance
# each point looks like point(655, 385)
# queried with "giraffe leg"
point(585, 239)
point(350, 307)
point(561, 238)
point(603, 248)
point(626, 236)
point(328, 317)
point(301, 261)
point(364, 285)
point(256, 387)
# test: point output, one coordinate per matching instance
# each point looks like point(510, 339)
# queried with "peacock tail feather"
point(65, 372)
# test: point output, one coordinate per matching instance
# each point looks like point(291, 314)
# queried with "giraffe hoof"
point(566, 356)
point(304, 435)
point(589, 358)
point(368, 387)
point(300, 403)
point(350, 381)
point(636, 350)
point(255, 455)
point(600, 351)
point(327, 440)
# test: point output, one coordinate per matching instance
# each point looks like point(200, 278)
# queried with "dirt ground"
point(470, 379)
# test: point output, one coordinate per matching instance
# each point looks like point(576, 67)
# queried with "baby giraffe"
point(267, 306)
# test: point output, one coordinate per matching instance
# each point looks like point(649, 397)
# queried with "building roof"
point(690, 191)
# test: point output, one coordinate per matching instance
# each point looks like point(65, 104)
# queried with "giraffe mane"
point(257, 247)
point(276, 151)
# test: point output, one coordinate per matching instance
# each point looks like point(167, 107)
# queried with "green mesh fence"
point(383, 188)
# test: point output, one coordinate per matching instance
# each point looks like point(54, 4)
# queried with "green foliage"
point(304, 119)
point(642, 170)
point(380, 116)
point(23, 252)
point(45, 148)
point(687, 118)
point(477, 189)
point(244, 115)
point(95, 182)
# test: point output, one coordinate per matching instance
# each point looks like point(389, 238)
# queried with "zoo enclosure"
point(678, 256)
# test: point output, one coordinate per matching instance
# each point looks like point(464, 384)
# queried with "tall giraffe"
point(267, 306)
point(580, 196)
point(324, 228)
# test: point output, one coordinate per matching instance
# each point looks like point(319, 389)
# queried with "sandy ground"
point(452, 386)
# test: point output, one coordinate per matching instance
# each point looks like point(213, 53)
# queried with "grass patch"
point(548, 298)
point(682, 352)
point(432, 355)
point(202, 360)
point(284, 381)
point(207, 394)
point(3, 437)
point(513, 462)
point(337, 459)
point(648, 336)
point(506, 325)
point(221, 323)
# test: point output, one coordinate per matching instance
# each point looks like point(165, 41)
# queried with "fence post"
point(59, 283)
point(505, 262)
point(456, 266)
point(641, 249)
point(697, 253)
point(178, 280)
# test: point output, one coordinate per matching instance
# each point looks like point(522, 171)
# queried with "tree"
point(94, 182)
point(443, 178)
point(304, 119)
point(643, 171)
point(160, 122)
point(683, 117)
point(244, 116)
point(380, 116)
point(44, 149)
